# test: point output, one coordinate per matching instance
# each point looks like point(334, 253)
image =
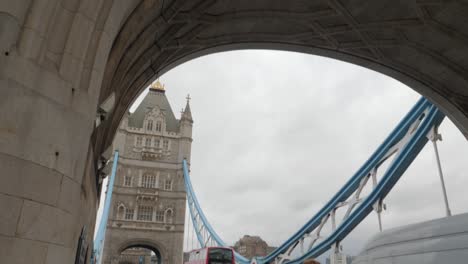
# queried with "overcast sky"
point(276, 134)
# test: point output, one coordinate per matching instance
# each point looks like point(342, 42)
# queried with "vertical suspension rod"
point(435, 136)
point(378, 208)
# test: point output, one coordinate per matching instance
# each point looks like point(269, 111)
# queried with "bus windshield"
point(220, 256)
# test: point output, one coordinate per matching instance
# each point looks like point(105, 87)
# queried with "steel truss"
point(397, 152)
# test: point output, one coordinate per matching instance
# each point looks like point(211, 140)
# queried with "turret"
point(185, 125)
point(186, 121)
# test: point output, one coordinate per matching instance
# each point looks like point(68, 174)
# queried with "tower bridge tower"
point(148, 203)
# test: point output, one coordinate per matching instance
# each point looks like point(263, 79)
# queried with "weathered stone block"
point(45, 223)
point(28, 180)
point(71, 68)
point(17, 8)
point(30, 44)
point(43, 132)
point(9, 32)
point(80, 34)
point(90, 8)
point(58, 254)
point(57, 40)
point(10, 208)
point(22, 251)
point(71, 5)
point(69, 196)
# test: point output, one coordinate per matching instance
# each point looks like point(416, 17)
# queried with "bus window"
point(220, 256)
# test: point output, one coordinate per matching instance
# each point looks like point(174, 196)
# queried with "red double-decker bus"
point(212, 255)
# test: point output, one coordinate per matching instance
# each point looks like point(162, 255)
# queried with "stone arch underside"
point(60, 59)
point(424, 44)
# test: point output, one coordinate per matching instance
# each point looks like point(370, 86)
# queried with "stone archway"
point(138, 254)
point(140, 248)
point(402, 41)
point(65, 65)
point(118, 247)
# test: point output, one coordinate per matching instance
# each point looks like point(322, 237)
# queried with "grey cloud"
point(276, 134)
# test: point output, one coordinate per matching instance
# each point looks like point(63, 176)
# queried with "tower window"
point(148, 181)
point(128, 214)
point(148, 142)
point(127, 180)
point(149, 125)
point(159, 216)
point(166, 144)
point(138, 141)
point(158, 126)
point(168, 185)
point(156, 143)
point(145, 213)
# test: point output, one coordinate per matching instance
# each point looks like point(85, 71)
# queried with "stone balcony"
point(150, 192)
point(152, 153)
point(143, 225)
point(147, 194)
point(147, 191)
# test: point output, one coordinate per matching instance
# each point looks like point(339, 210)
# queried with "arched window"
point(168, 216)
point(120, 211)
point(158, 126)
point(149, 125)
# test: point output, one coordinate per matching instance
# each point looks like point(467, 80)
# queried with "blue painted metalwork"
point(193, 201)
point(405, 142)
point(101, 234)
point(377, 158)
point(393, 174)
point(353, 183)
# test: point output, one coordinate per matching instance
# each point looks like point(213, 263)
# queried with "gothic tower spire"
point(186, 124)
point(187, 114)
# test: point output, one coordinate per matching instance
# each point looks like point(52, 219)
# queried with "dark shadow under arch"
point(155, 247)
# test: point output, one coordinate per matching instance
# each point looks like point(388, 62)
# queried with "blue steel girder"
point(404, 143)
point(396, 169)
point(411, 121)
